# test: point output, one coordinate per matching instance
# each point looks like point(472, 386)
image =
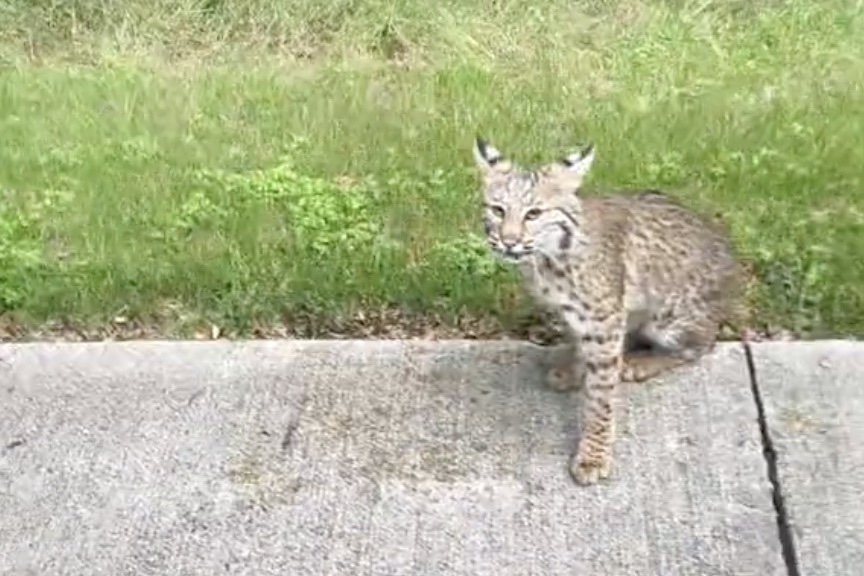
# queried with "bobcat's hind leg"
point(670, 344)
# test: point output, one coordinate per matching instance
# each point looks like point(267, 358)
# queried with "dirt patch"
point(383, 324)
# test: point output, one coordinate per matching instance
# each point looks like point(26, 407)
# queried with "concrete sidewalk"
point(418, 458)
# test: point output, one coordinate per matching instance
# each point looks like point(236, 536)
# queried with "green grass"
point(248, 163)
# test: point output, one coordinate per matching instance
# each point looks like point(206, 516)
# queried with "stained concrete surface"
point(814, 404)
point(394, 458)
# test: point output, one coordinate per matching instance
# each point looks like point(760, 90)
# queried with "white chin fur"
point(510, 256)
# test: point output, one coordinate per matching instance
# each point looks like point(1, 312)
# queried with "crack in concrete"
point(784, 528)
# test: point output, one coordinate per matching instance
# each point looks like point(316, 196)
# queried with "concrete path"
point(409, 459)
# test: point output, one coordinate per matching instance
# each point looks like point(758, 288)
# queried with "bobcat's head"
point(530, 210)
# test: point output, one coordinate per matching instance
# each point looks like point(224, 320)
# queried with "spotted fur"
point(620, 268)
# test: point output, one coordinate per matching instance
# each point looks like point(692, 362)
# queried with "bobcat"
point(623, 270)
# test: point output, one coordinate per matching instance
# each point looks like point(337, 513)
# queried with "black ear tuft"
point(483, 148)
point(572, 159)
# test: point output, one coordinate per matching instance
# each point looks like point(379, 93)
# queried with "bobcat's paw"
point(588, 469)
point(562, 380)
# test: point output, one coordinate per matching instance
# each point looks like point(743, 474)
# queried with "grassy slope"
point(129, 130)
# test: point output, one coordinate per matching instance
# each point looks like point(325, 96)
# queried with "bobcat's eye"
point(533, 214)
point(498, 211)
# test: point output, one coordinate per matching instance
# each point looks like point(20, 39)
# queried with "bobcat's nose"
point(512, 248)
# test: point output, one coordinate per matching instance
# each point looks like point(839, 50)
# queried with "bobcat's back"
point(671, 255)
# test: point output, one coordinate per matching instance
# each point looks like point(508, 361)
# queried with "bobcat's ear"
point(569, 172)
point(488, 158)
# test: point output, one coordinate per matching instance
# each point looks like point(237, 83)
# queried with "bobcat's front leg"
point(567, 370)
point(567, 367)
point(601, 342)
